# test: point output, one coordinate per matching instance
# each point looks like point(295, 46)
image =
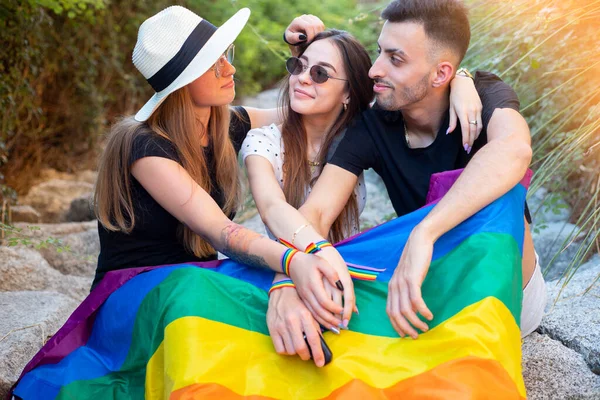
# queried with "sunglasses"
point(227, 55)
point(318, 73)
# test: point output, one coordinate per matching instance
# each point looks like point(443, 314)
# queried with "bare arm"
point(287, 223)
point(173, 188)
point(492, 172)
point(328, 197)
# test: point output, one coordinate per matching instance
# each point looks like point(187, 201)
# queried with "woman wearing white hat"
point(168, 181)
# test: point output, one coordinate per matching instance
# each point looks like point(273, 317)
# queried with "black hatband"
point(176, 65)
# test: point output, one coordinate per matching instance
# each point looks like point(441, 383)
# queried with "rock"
point(25, 269)
point(379, 208)
point(27, 320)
point(48, 174)
point(553, 371)
point(83, 255)
point(87, 176)
point(53, 198)
point(265, 99)
point(25, 214)
point(81, 209)
point(56, 230)
point(546, 207)
point(551, 240)
point(574, 319)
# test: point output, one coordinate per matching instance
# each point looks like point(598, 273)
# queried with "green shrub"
point(549, 52)
point(66, 71)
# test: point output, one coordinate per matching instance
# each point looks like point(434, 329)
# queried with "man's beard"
point(409, 95)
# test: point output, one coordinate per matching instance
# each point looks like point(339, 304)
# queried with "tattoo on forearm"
point(236, 241)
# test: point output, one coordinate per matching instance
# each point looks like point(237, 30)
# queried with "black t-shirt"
point(376, 140)
point(154, 239)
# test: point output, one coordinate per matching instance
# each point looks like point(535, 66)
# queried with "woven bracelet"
point(281, 284)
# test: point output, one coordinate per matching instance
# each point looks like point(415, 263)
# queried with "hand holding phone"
point(326, 350)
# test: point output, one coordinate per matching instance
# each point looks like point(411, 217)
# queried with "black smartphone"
point(326, 350)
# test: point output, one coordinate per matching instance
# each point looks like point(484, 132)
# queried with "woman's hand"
point(303, 29)
point(307, 271)
point(333, 257)
point(465, 106)
point(288, 321)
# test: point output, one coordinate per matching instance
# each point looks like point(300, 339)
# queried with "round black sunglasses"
point(318, 73)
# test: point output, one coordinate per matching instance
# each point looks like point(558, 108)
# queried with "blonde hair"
point(175, 121)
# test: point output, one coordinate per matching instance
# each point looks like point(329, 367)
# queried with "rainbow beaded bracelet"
point(281, 284)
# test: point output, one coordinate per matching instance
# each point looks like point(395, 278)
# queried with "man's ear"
point(444, 74)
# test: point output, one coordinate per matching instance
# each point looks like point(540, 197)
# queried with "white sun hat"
point(176, 46)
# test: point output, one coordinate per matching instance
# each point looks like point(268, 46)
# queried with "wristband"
point(281, 284)
point(286, 260)
point(316, 247)
point(286, 244)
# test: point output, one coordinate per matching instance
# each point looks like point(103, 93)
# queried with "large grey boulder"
point(574, 319)
point(53, 198)
point(82, 257)
point(25, 269)
point(553, 244)
point(553, 371)
point(547, 207)
point(81, 209)
point(27, 320)
point(379, 208)
point(56, 230)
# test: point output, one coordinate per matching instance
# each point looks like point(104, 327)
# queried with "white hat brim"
point(206, 58)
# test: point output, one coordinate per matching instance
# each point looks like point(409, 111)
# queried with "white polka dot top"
point(268, 143)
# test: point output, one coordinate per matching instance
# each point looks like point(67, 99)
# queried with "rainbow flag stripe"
point(196, 331)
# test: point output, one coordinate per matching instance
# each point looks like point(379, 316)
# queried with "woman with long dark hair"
point(328, 87)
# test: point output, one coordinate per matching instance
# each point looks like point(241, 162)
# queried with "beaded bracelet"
point(281, 284)
point(286, 260)
point(316, 247)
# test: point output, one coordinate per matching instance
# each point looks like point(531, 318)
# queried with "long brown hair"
point(174, 120)
point(295, 164)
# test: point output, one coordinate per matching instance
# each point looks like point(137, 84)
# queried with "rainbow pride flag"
point(198, 331)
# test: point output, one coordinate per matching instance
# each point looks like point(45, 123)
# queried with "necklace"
point(313, 163)
point(406, 137)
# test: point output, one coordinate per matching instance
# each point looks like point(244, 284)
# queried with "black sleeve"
point(494, 93)
point(149, 144)
point(356, 151)
point(239, 126)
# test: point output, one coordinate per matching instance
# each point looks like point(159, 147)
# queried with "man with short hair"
point(405, 139)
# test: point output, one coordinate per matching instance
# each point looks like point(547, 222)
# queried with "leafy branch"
point(20, 236)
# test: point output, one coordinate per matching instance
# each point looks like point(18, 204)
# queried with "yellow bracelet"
point(297, 232)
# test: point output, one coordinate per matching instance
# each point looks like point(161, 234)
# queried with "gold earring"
point(345, 106)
